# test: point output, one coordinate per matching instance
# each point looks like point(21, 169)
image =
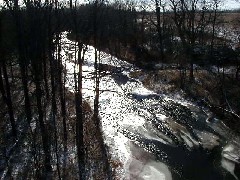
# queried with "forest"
point(121, 89)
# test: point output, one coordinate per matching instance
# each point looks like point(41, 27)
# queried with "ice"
point(208, 140)
point(231, 152)
point(113, 104)
point(143, 91)
point(116, 114)
point(229, 166)
point(155, 171)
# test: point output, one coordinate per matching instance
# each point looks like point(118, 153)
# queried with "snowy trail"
point(155, 136)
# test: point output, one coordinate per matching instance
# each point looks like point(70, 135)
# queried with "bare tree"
point(215, 5)
point(79, 58)
point(189, 20)
point(6, 95)
point(158, 4)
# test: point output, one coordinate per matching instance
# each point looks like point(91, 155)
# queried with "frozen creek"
point(154, 136)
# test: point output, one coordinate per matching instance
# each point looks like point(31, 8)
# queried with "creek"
point(154, 136)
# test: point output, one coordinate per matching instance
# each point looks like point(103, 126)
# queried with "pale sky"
point(228, 4)
point(231, 4)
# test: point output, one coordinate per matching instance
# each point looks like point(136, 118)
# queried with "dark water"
point(185, 162)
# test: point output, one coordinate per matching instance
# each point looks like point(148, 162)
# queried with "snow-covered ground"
point(138, 124)
point(113, 108)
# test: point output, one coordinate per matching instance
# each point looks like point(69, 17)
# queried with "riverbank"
point(206, 90)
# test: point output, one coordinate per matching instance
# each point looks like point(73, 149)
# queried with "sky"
point(228, 4)
point(231, 4)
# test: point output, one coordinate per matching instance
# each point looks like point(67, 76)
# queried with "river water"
point(154, 136)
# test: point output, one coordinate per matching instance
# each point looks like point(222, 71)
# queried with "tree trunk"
point(23, 63)
point(79, 115)
point(35, 53)
point(213, 28)
point(53, 74)
point(61, 89)
point(191, 76)
point(44, 133)
point(45, 77)
point(237, 73)
point(159, 28)
point(6, 95)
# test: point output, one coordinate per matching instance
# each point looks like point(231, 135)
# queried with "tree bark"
point(79, 115)
point(159, 28)
point(237, 73)
point(44, 133)
point(22, 62)
point(61, 89)
point(6, 95)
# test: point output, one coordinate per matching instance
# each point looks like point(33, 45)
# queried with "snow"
point(130, 119)
point(161, 116)
point(208, 140)
point(231, 152)
point(112, 107)
point(116, 114)
point(142, 91)
point(231, 70)
point(229, 166)
point(150, 171)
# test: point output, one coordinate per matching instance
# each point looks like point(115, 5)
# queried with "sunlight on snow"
point(112, 103)
point(118, 94)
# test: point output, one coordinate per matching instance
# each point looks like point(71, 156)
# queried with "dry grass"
point(162, 81)
point(232, 18)
point(207, 87)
